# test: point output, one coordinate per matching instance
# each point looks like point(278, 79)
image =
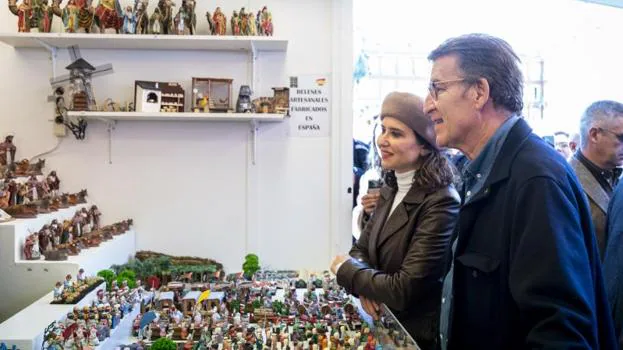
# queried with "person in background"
point(613, 260)
point(574, 142)
point(401, 256)
point(526, 270)
point(598, 160)
point(561, 144)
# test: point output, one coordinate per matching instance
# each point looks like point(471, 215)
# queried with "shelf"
point(183, 116)
point(145, 42)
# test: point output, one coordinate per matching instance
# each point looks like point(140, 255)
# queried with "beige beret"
point(409, 109)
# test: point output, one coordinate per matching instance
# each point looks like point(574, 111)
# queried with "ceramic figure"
point(53, 183)
point(266, 22)
point(129, 21)
point(251, 24)
point(142, 19)
point(220, 22)
point(210, 23)
point(109, 15)
point(7, 151)
point(77, 15)
point(185, 21)
point(242, 16)
point(166, 11)
point(235, 23)
point(81, 277)
point(24, 13)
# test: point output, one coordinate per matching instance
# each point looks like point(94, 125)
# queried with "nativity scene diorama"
point(190, 303)
point(108, 16)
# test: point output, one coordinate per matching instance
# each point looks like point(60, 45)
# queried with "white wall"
point(191, 187)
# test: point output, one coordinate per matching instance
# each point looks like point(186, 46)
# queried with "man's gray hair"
point(598, 114)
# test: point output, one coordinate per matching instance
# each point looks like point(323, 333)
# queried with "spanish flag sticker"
point(321, 81)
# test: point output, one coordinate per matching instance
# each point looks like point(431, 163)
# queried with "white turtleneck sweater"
point(404, 180)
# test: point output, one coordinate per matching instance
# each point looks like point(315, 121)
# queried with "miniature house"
point(147, 96)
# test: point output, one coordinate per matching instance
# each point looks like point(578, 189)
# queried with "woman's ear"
point(425, 151)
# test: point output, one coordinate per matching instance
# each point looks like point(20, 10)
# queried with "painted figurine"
point(186, 19)
point(7, 151)
point(129, 21)
point(76, 16)
point(220, 22)
point(24, 13)
point(235, 23)
point(165, 8)
point(156, 24)
point(266, 22)
point(54, 183)
point(251, 25)
point(58, 291)
point(142, 19)
point(109, 15)
point(210, 22)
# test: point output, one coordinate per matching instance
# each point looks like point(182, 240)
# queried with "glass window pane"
point(367, 89)
point(405, 66)
point(388, 65)
point(387, 86)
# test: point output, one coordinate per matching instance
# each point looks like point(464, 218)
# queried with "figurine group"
point(87, 327)
point(80, 15)
point(56, 241)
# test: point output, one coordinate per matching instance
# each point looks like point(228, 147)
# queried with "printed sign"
point(310, 105)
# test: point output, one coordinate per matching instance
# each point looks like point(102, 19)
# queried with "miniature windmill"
point(80, 74)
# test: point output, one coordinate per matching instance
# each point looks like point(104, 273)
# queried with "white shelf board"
point(145, 42)
point(182, 116)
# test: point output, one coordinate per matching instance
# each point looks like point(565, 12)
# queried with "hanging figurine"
point(166, 11)
point(235, 23)
point(108, 14)
point(220, 22)
point(142, 19)
point(129, 21)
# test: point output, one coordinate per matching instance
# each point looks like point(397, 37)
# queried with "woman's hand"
point(337, 261)
point(369, 200)
point(371, 307)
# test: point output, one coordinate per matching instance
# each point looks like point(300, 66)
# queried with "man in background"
point(598, 160)
point(613, 260)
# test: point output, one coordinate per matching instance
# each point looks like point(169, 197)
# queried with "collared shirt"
point(476, 171)
point(474, 175)
point(608, 179)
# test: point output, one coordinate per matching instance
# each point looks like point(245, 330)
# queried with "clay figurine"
point(24, 13)
point(54, 183)
point(156, 22)
point(81, 277)
point(129, 21)
point(235, 23)
point(251, 25)
point(142, 19)
point(186, 20)
point(266, 22)
point(58, 291)
point(95, 216)
point(109, 15)
point(220, 22)
point(76, 16)
point(7, 151)
point(165, 8)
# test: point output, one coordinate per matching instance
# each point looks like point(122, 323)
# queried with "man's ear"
point(481, 90)
point(592, 134)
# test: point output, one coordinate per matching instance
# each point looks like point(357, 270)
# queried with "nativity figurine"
point(165, 7)
point(142, 19)
point(76, 15)
point(156, 22)
point(24, 13)
point(235, 23)
point(220, 22)
point(7, 151)
point(129, 21)
point(109, 15)
point(53, 183)
point(186, 20)
point(266, 23)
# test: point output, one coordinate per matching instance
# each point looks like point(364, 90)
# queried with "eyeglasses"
point(433, 86)
point(618, 136)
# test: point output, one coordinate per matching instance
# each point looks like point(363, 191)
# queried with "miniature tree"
point(251, 265)
point(127, 275)
point(108, 276)
point(234, 306)
point(163, 344)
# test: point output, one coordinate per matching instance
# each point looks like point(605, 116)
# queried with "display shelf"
point(27, 280)
point(181, 116)
point(25, 329)
point(145, 42)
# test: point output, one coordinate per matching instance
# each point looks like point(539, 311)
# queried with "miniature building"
point(189, 301)
point(214, 300)
point(152, 96)
point(215, 92)
point(165, 299)
point(147, 96)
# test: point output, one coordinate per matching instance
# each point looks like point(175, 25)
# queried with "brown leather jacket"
point(401, 261)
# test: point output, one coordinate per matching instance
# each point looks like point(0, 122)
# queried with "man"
point(574, 142)
point(561, 143)
point(525, 270)
point(613, 260)
point(601, 152)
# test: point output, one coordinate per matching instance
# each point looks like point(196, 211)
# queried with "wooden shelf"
point(145, 42)
point(185, 116)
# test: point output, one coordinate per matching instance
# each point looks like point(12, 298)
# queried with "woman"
point(401, 256)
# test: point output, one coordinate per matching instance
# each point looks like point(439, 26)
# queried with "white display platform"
point(24, 281)
point(25, 329)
